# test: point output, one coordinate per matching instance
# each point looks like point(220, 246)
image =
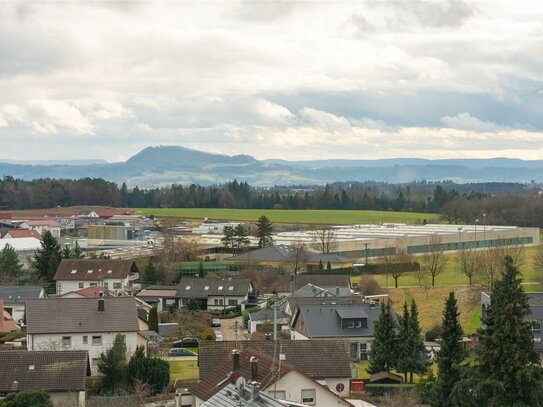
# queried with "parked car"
point(181, 352)
point(187, 342)
point(216, 322)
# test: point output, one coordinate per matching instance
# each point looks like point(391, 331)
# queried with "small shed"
point(386, 378)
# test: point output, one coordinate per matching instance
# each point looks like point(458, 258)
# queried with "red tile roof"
point(20, 233)
point(42, 222)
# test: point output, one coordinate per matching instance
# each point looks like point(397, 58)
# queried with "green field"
point(185, 370)
point(292, 216)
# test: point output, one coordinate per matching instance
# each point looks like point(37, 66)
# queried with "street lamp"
point(484, 228)
point(458, 254)
point(476, 241)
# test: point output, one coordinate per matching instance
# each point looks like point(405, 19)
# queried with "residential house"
point(62, 374)
point(535, 300)
point(41, 226)
point(209, 293)
point(114, 274)
point(279, 256)
point(25, 246)
point(276, 377)
point(350, 323)
point(89, 324)
point(7, 324)
point(15, 296)
point(287, 284)
point(315, 291)
point(22, 233)
point(327, 361)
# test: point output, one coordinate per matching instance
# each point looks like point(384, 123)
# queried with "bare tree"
point(397, 263)
point(467, 263)
point(433, 259)
point(324, 240)
point(297, 258)
point(490, 262)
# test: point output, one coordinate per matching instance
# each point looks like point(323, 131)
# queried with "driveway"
point(229, 331)
point(171, 358)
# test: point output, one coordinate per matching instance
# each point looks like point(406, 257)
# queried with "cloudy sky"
point(274, 79)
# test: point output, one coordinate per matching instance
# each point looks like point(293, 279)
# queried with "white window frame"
point(95, 339)
point(66, 341)
point(310, 396)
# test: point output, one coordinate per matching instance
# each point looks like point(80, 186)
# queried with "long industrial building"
point(361, 241)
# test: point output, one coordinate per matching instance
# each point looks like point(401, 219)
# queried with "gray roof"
point(18, 294)
point(281, 252)
point(324, 321)
point(168, 330)
point(72, 315)
point(311, 290)
point(44, 370)
point(267, 315)
point(204, 287)
point(288, 282)
point(230, 396)
point(94, 269)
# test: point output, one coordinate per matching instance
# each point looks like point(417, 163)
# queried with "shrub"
point(208, 334)
point(369, 286)
point(27, 398)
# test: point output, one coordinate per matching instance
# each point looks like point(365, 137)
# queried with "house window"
point(308, 396)
point(66, 341)
point(363, 351)
point(215, 302)
point(233, 302)
point(535, 326)
point(116, 286)
point(85, 339)
point(94, 363)
point(350, 324)
point(106, 285)
point(81, 285)
point(358, 324)
point(97, 340)
point(221, 302)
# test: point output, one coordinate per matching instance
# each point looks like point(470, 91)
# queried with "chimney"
point(101, 304)
point(235, 360)
point(254, 369)
point(337, 291)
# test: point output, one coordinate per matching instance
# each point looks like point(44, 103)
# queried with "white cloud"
point(464, 121)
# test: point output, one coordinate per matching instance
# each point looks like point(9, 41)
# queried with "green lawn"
point(185, 370)
point(292, 216)
point(361, 372)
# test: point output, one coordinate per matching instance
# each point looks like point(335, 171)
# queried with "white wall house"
point(42, 226)
point(15, 297)
point(89, 324)
point(74, 274)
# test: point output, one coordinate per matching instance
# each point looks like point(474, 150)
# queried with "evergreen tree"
point(153, 319)
point(150, 274)
point(421, 359)
point(507, 371)
point(201, 270)
point(77, 252)
point(383, 347)
point(152, 371)
point(328, 266)
point(451, 353)
point(241, 238)
point(9, 264)
point(264, 232)
point(47, 258)
point(402, 353)
point(321, 266)
point(192, 305)
point(27, 398)
point(66, 252)
point(228, 239)
point(112, 365)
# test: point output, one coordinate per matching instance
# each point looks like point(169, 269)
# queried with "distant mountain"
point(158, 166)
point(53, 162)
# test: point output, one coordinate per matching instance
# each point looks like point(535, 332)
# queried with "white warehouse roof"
point(23, 244)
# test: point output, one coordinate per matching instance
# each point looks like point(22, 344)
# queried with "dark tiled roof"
point(169, 330)
point(312, 290)
point(18, 294)
point(316, 358)
point(204, 287)
point(282, 253)
point(268, 373)
point(44, 370)
point(285, 282)
point(94, 269)
point(230, 396)
point(324, 321)
point(70, 315)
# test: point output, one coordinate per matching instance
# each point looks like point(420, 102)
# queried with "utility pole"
point(275, 320)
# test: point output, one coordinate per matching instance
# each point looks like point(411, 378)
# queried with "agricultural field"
point(292, 216)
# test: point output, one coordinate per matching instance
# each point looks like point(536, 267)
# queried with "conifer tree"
point(228, 239)
point(241, 237)
point(47, 258)
point(264, 232)
point(321, 266)
point(77, 253)
point(328, 266)
point(9, 264)
point(402, 354)
point(153, 319)
point(150, 274)
point(507, 371)
point(383, 346)
point(112, 365)
point(420, 357)
point(67, 252)
point(451, 353)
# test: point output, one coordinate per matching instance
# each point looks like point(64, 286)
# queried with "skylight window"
point(187, 287)
point(220, 287)
point(89, 272)
point(74, 271)
point(206, 288)
point(110, 271)
point(31, 367)
point(230, 288)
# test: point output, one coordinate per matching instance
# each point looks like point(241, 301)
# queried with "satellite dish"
point(240, 383)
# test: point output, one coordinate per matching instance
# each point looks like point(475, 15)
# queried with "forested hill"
point(159, 166)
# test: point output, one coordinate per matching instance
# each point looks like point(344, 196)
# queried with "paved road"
point(180, 358)
point(228, 329)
